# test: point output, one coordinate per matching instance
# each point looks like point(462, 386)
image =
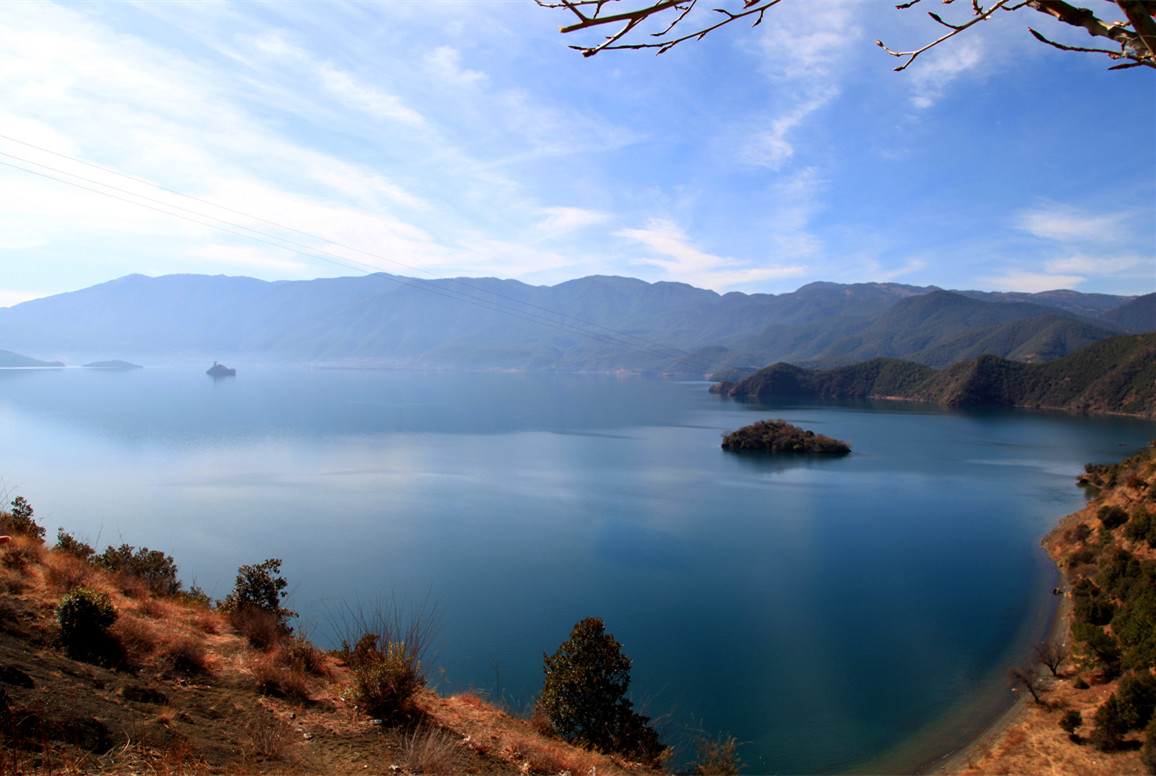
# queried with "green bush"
point(1070, 722)
point(584, 695)
point(260, 587)
point(1135, 700)
point(152, 567)
point(70, 545)
point(18, 519)
point(1109, 731)
point(1148, 753)
point(1112, 517)
point(84, 617)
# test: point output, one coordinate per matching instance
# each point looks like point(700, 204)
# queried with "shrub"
point(1070, 722)
point(185, 656)
point(1135, 700)
point(1148, 753)
point(18, 519)
point(1109, 731)
point(386, 679)
point(84, 617)
point(260, 587)
point(716, 756)
point(70, 545)
point(262, 629)
point(156, 570)
point(1140, 525)
point(584, 695)
point(1112, 517)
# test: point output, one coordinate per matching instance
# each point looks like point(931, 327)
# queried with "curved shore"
point(982, 745)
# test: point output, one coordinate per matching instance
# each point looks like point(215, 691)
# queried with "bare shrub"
point(137, 638)
point(273, 739)
point(185, 656)
point(385, 647)
point(262, 629)
point(22, 552)
point(67, 571)
point(431, 750)
point(299, 653)
point(278, 680)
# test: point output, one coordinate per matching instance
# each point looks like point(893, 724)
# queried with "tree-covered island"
point(779, 436)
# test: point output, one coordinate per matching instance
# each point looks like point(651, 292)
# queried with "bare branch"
point(979, 15)
point(1136, 36)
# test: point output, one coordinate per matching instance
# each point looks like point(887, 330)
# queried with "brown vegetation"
point(192, 688)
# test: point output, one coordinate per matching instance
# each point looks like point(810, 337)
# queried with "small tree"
point(1051, 654)
point(260, 587)
point(1109, 730)
point(1025, 676)
point(1070, 722)
point(84, 617)
point(18, 519)
point(584, 695)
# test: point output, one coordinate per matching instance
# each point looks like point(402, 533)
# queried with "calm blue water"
point(856, 613)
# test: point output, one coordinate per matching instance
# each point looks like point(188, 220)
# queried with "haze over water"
point(826, 611)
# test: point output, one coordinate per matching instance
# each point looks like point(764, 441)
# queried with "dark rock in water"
point(117, 364)
point(220, 370)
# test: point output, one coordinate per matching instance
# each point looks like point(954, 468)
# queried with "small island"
point(779, 436)
point(116, 364)
point(220, 370)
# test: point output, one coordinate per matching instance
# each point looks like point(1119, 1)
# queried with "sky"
point(292, 140)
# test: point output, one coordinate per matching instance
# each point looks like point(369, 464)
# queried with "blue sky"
point(293, 140)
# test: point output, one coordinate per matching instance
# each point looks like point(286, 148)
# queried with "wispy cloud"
point(684, 262)
point(1068, 224)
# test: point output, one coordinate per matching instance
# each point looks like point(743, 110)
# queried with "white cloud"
point(934, 71)
point(1067, 224)
point(445, 63)
point(686, 263)
point(1087, 264)
point(562, 220)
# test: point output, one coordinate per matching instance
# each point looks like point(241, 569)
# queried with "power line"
point(501, 303)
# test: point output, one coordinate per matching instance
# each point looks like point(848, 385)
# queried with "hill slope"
point(1116, 375)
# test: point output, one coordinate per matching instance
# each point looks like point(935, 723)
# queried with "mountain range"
point(595, 323)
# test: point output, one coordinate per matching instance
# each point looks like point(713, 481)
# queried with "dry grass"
point(431, 750)
point(273, 738)
point(65, 572)
point(279, 680)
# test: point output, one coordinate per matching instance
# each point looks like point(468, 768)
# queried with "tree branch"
point(1136, 36)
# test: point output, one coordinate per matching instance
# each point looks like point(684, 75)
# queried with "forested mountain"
point(1114, 375)
point(590, 324)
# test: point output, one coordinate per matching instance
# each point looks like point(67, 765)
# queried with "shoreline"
point(985, 739)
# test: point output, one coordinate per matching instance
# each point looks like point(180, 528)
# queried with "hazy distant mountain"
point(594, 323)
point(1138, 315)
point(8, 360)
point(1114, 375)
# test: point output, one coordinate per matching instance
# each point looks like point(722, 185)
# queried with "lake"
point(842, 614)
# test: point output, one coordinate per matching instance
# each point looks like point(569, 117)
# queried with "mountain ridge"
point(597, 323)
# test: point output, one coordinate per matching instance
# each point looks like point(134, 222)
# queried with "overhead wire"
point(500, 303)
